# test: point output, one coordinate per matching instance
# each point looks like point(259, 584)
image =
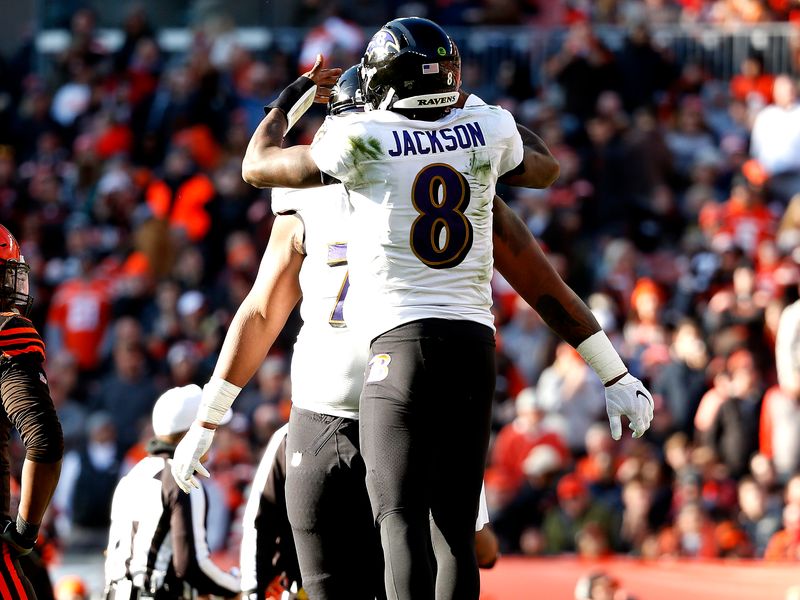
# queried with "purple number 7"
point(337, 257)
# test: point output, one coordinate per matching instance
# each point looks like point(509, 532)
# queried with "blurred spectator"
point(62, 377)
point(88, 478)
point(600, 586)
point(682, 381)
point(636, 526)
point(337, 39)
point(527, 341)
point(583, 68)
point(535, 497)
point(505, 474)
point(692, 535)
point(576, 515)
point(785, 544)
point(643, 70)
point(271, 382)
point(71, 587)
point(127, 393)
point(734, 431)
point(744, 218)
point(569, 389)
point(183, 360)
point(181, 196)
point(689, 139)
point(78, 316)
point(775, 140)
point(646, 327)
point(757, 519)
point(751, 84)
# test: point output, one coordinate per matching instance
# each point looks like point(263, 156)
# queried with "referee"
point(268, 557)
point(157, 544)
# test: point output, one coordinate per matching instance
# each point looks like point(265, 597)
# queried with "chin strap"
point(387, 99)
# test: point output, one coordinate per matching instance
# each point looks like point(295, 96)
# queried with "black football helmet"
point(411, 66)
point(346, 95)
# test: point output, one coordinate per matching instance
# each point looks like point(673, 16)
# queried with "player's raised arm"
point(266, 163)
point(538, 169)
point(519, 258)
point(254, 328)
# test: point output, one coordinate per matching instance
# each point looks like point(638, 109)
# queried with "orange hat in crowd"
point(70, 587)
point(755, 174)
point(646, 287)
point(570, 487)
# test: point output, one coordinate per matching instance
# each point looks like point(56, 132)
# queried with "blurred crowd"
point(550, 13)
point(675, 217)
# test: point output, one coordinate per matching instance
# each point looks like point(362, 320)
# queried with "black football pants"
point(424, 425)
point(329, 511)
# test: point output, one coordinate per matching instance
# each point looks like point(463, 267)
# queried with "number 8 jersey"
point(421, 195)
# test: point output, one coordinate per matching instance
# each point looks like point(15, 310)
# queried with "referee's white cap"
point(176, 409)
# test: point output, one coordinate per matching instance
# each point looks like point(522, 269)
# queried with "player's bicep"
point(291, 167)
point(277, 286)
point(529, 162)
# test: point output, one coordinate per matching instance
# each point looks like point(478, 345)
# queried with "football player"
point(326, 498)
point(28, 408)
point(419, 263)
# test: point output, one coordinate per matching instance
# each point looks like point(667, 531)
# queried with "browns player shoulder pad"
point(18, 337)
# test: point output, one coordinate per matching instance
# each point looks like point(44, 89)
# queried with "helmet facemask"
point(15, 287)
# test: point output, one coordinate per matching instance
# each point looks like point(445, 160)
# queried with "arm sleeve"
point(191, 558)
point(26, 400)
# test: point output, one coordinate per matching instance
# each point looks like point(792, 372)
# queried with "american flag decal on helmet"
point(430, 68)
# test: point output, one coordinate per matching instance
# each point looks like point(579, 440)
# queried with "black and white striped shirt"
point(267, 546)
point(158, 534)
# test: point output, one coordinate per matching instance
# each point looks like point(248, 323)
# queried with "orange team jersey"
point(18, 337)
point(82, 310)
point(748, 226)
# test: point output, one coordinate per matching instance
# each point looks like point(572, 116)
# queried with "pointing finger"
point(616, 426)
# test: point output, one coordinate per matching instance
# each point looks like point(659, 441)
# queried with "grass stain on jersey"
point(361, 150)
point(480, 167)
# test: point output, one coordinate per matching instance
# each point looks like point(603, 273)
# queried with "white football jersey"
point(421, 193)
point(328, 362)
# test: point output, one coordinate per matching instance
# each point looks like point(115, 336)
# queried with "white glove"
point(629, 397)
point(186, 461)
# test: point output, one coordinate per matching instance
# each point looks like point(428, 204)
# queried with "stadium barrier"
point(720, 50)
point(520, 578)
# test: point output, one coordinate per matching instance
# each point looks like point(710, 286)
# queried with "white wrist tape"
point(218, 395)
point(599, 353)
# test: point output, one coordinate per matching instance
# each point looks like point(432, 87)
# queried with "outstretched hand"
point(630, 398)
point(324, 78)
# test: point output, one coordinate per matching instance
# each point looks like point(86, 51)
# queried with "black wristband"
point(27, 531)
point(290, 95)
